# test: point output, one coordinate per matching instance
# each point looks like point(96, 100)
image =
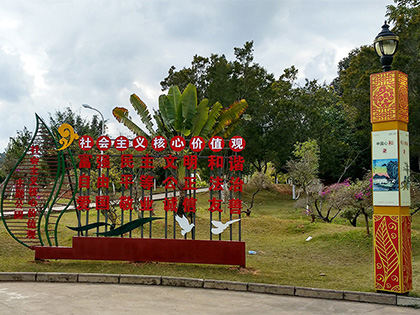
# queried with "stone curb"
point(225, 285)
point(140, 279)
point(98, 278)
point(17, 276)
point(56, 277)
point(319, 293)
point(183, 282)
point(368, 297)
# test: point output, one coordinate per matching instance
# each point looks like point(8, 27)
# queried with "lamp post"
point(386, 44)
point(102, 116)
point(390, 171)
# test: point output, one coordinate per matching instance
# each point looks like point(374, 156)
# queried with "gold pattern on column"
point(389, 97)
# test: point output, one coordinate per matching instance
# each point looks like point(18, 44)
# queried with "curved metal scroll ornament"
point(32, 188)
point(66, 131)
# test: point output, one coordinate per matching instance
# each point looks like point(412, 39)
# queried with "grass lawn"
point(339, 256)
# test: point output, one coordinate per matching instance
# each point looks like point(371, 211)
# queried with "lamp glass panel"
point(378, 49)
point(389, 46)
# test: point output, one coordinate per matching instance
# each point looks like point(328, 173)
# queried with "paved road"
point(78, 298)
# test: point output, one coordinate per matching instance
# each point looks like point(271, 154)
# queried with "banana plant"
point(181, 114)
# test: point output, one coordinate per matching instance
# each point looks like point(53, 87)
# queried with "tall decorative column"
point(391, 182)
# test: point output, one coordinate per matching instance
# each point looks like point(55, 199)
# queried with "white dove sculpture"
point(220, 227)
point(184, 224)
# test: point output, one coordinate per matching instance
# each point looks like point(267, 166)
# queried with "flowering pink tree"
point(330, 200)
point(348, 199)
point(359, 201)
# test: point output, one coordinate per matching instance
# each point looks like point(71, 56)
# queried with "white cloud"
point(55, 53)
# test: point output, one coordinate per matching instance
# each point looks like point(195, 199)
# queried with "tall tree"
point(226, 81)
point(406, 17)
point(353, 85)
point(81, 126)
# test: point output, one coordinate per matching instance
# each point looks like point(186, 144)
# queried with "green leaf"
point(128, 227)
point(230, 115)
point(201, 117)
point(211, 121)
point(189, 107)
point(88, 227)
point(167, 111)
point(141, 109)
point(162, 127)
point(230, 129)
point(121, 114)
point(174, 97)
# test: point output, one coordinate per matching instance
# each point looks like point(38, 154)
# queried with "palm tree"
point(179, 114)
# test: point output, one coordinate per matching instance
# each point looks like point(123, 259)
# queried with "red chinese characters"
point(84, 181)
point(170, 183)
point(235, 206)
point(177, 143)
point(170, 162)
point(216, 183)
point(83, 203)
point(86, 143)
point(215, 205)
point(140, 143)
point(19, 197)
point(102, 203)
point(103, 143)
point(127, 161)
point(159, 143)
point(121, 143)
point(190, 204)
point(84, 160)
point(215, 161)
point(190, 162)
point(143, 171)
point(170, 204)
point(236, 163)
point(32, 200)
point(126, 203)
point(126, 180)
point(197, 144)
point(146, 204)
point(146, 162)
point(216, 144)
point(237, 144)
point(146, 182)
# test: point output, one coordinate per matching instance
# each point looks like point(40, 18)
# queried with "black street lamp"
point(386, 44)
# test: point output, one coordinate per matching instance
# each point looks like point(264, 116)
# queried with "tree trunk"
point(366, 221)
point(248, 211)
point(353, 221)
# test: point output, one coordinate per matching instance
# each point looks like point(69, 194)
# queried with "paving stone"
point(17, 276)
point(225, 285)
point(271, 288)
point(141, 279)
point(98, 278)
point(319, 293)
point(56, 277)
point(183, 282)
point(408, 301)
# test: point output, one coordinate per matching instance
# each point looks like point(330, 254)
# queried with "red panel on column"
point(387, 260)
point(406, 253)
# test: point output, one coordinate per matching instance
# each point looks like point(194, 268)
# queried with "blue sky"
point(58, 53)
